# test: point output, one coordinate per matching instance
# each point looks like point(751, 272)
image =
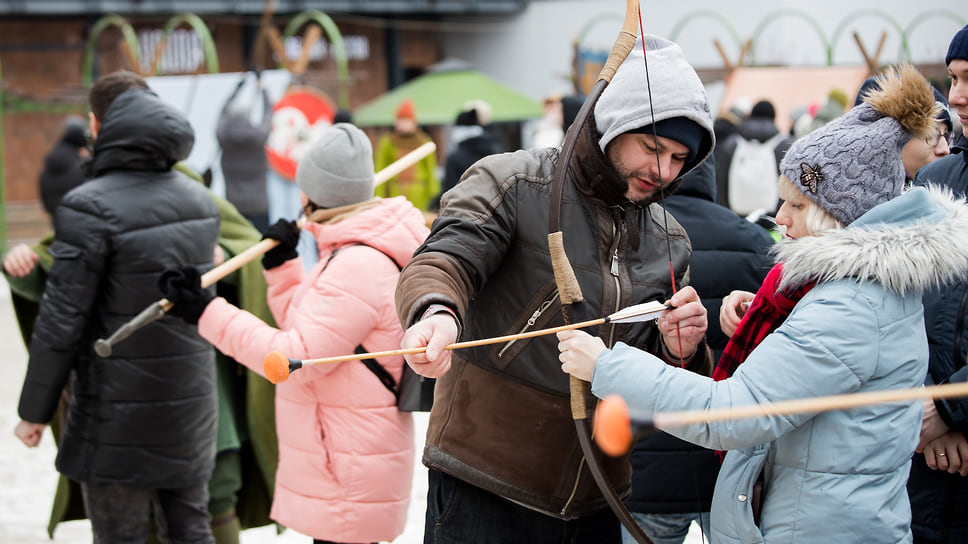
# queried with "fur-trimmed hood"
point(914, 241)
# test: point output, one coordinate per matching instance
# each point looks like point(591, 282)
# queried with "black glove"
point(183, 287)
point(287, 233)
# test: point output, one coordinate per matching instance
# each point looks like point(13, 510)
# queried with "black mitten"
point(183, 287)
point(287, 233)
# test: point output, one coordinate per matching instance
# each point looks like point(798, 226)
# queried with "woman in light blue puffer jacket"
point(841, 313)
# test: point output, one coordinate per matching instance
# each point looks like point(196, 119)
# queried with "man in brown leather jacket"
point(505, 463)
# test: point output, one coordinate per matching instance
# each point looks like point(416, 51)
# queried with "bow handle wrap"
point(565, 279)
point(621, 49)
point(623, 43)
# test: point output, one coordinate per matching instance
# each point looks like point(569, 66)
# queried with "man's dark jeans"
point(459, 513)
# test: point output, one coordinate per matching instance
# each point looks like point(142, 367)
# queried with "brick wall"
point(42, 62)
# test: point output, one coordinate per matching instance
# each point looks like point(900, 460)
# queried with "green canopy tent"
point(440, 95)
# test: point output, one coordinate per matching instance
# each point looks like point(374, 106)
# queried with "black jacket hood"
point(141, 132)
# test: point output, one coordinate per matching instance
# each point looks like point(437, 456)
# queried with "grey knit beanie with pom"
point(853, 163)
point(337, 170)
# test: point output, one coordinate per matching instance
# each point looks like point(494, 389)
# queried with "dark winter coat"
point(939, 499)
point(670, 475)
point(144, 416)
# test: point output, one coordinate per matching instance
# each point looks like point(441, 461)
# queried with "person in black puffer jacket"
point(142, 424)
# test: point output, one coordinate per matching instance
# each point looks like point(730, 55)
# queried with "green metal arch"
point(127, 33)
point(924, 16)
point(774, 15)
point(707, 14)
point(339, 52)
point(198, 25)
point(941, 13)
point(905, 51)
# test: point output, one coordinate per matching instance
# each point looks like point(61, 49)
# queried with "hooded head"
point(853, 163)
point(678, 108)
point(337, 169)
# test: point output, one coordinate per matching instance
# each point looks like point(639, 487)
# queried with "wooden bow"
point(567, 283)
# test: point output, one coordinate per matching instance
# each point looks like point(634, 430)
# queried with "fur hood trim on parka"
point(912, 242)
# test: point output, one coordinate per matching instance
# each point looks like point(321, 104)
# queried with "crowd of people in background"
point(829, 258)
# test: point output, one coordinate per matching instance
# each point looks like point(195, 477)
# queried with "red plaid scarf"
point(767, 312)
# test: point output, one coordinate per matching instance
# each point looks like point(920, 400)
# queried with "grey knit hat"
point(853, 163)
point(337, 169)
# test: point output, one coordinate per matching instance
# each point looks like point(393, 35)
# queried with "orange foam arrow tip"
point(612, 426)
point(276, 367)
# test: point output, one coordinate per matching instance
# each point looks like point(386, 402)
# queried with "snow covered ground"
point(28, 478)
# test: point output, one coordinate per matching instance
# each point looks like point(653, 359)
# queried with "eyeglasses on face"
point(935, 138)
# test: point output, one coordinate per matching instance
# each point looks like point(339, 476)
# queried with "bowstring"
point(658, 163)
point(665, 217)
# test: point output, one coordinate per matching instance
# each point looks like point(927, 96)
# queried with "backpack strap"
point(381, 373)
point(376, 368)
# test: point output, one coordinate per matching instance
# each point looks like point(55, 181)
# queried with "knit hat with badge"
point(337, 169)
point(853, 163)
point(678, 107)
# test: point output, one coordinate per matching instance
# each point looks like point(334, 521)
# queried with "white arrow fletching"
point(646, 311)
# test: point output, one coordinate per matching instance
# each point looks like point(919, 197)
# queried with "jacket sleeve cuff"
point(672, 359)
point(440, 309)
point(954, 411)
point(699, 362)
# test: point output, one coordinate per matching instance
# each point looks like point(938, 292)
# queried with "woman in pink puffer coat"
point(346, 454)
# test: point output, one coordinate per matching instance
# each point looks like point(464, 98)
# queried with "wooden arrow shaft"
point(811, 405)
point(457, 345)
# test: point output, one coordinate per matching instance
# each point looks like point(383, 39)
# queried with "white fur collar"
point(904, 255)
